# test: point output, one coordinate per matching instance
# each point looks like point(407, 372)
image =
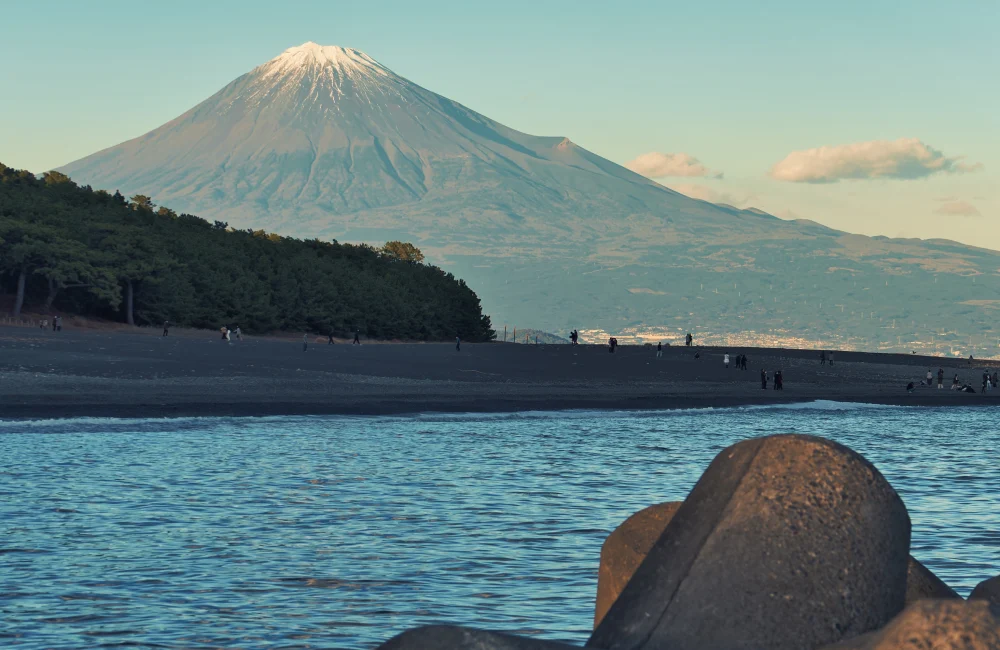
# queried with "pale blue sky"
point(738, 85)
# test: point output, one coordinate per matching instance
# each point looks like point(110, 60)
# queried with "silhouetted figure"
point(166, 328)
point(574, 337)
point(357, 337)
point(763, 379)
point(830, 358)
point(458, 344)
point(822, 358)
point(744, 363)
point(329, 338)
point(779, 380)
point(688, 340)
point(940, 378)
point(659, 349)
point(305, 342)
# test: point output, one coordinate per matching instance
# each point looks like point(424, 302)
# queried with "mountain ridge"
point(551, 235)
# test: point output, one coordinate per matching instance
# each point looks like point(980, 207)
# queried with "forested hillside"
point(65, 248)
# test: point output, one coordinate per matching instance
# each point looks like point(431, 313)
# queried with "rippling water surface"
point(338, 532)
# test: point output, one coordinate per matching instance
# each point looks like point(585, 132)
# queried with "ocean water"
point(339, 532)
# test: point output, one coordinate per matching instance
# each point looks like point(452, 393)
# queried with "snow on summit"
point(346, 61)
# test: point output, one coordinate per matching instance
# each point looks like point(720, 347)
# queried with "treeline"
point(66, 248)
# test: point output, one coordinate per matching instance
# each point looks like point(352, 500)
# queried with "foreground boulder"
point(921, 583)
point(449, 637)
point(934, 625)
point(625, 549)
point(786, 542)
point(988, 590)
point(627, 546)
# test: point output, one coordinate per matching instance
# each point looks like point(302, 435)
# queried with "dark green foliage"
point(94, 253)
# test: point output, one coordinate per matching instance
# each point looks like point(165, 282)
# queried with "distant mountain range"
point(326, 142)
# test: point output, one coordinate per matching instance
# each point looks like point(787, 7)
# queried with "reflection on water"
point(335, 532)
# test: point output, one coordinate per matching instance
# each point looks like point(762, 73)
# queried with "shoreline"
point(124, 375)
point(36, 413)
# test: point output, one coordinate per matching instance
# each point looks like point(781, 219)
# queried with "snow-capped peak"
point(347, 61)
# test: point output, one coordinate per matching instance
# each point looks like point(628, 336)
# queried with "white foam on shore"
point(823, 405)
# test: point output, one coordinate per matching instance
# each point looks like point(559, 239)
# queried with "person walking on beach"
point(930, 378)
point(659, 350)
point(458, 344)
point(940, 378)
point(329, 338)
point(239, 333)
point(763, 379)
point(166, 327)
point(725, 360)
point(229, 341)
point(689, 340)
point(744, 362)
point(829, 357)
point(822, 358)
point(357, 337)
point(305, 341)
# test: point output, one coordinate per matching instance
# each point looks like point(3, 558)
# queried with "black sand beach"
point(123, 374)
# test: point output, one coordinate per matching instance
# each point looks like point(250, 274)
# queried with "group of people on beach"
point(779, 380)
point(740, 362)
point(56, 324)
point(825, 356)
point(989, 382)
point(612, 344)
point(229, 333)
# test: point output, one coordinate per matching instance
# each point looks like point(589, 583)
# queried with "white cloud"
point(958, 208)
point(906, 158)
point(659, 165)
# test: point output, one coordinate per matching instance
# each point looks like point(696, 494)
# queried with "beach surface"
point(78, 373)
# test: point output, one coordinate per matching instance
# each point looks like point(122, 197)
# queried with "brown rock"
point(988, 590)
point(921, 583)
point(934, 625)
point(625, 549)
point(786, 542)
point(450, 637)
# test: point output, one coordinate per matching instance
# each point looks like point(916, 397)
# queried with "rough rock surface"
point(449, 637)
point(934, 625)
point(785, 542)
point(921, 583)
point(987, 590)
point(625, 549)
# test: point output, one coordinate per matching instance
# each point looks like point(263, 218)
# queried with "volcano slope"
point(326, 142)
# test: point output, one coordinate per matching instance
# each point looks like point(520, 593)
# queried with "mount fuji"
point(326, 142)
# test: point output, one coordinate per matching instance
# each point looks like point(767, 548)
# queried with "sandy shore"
point(121, 374)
